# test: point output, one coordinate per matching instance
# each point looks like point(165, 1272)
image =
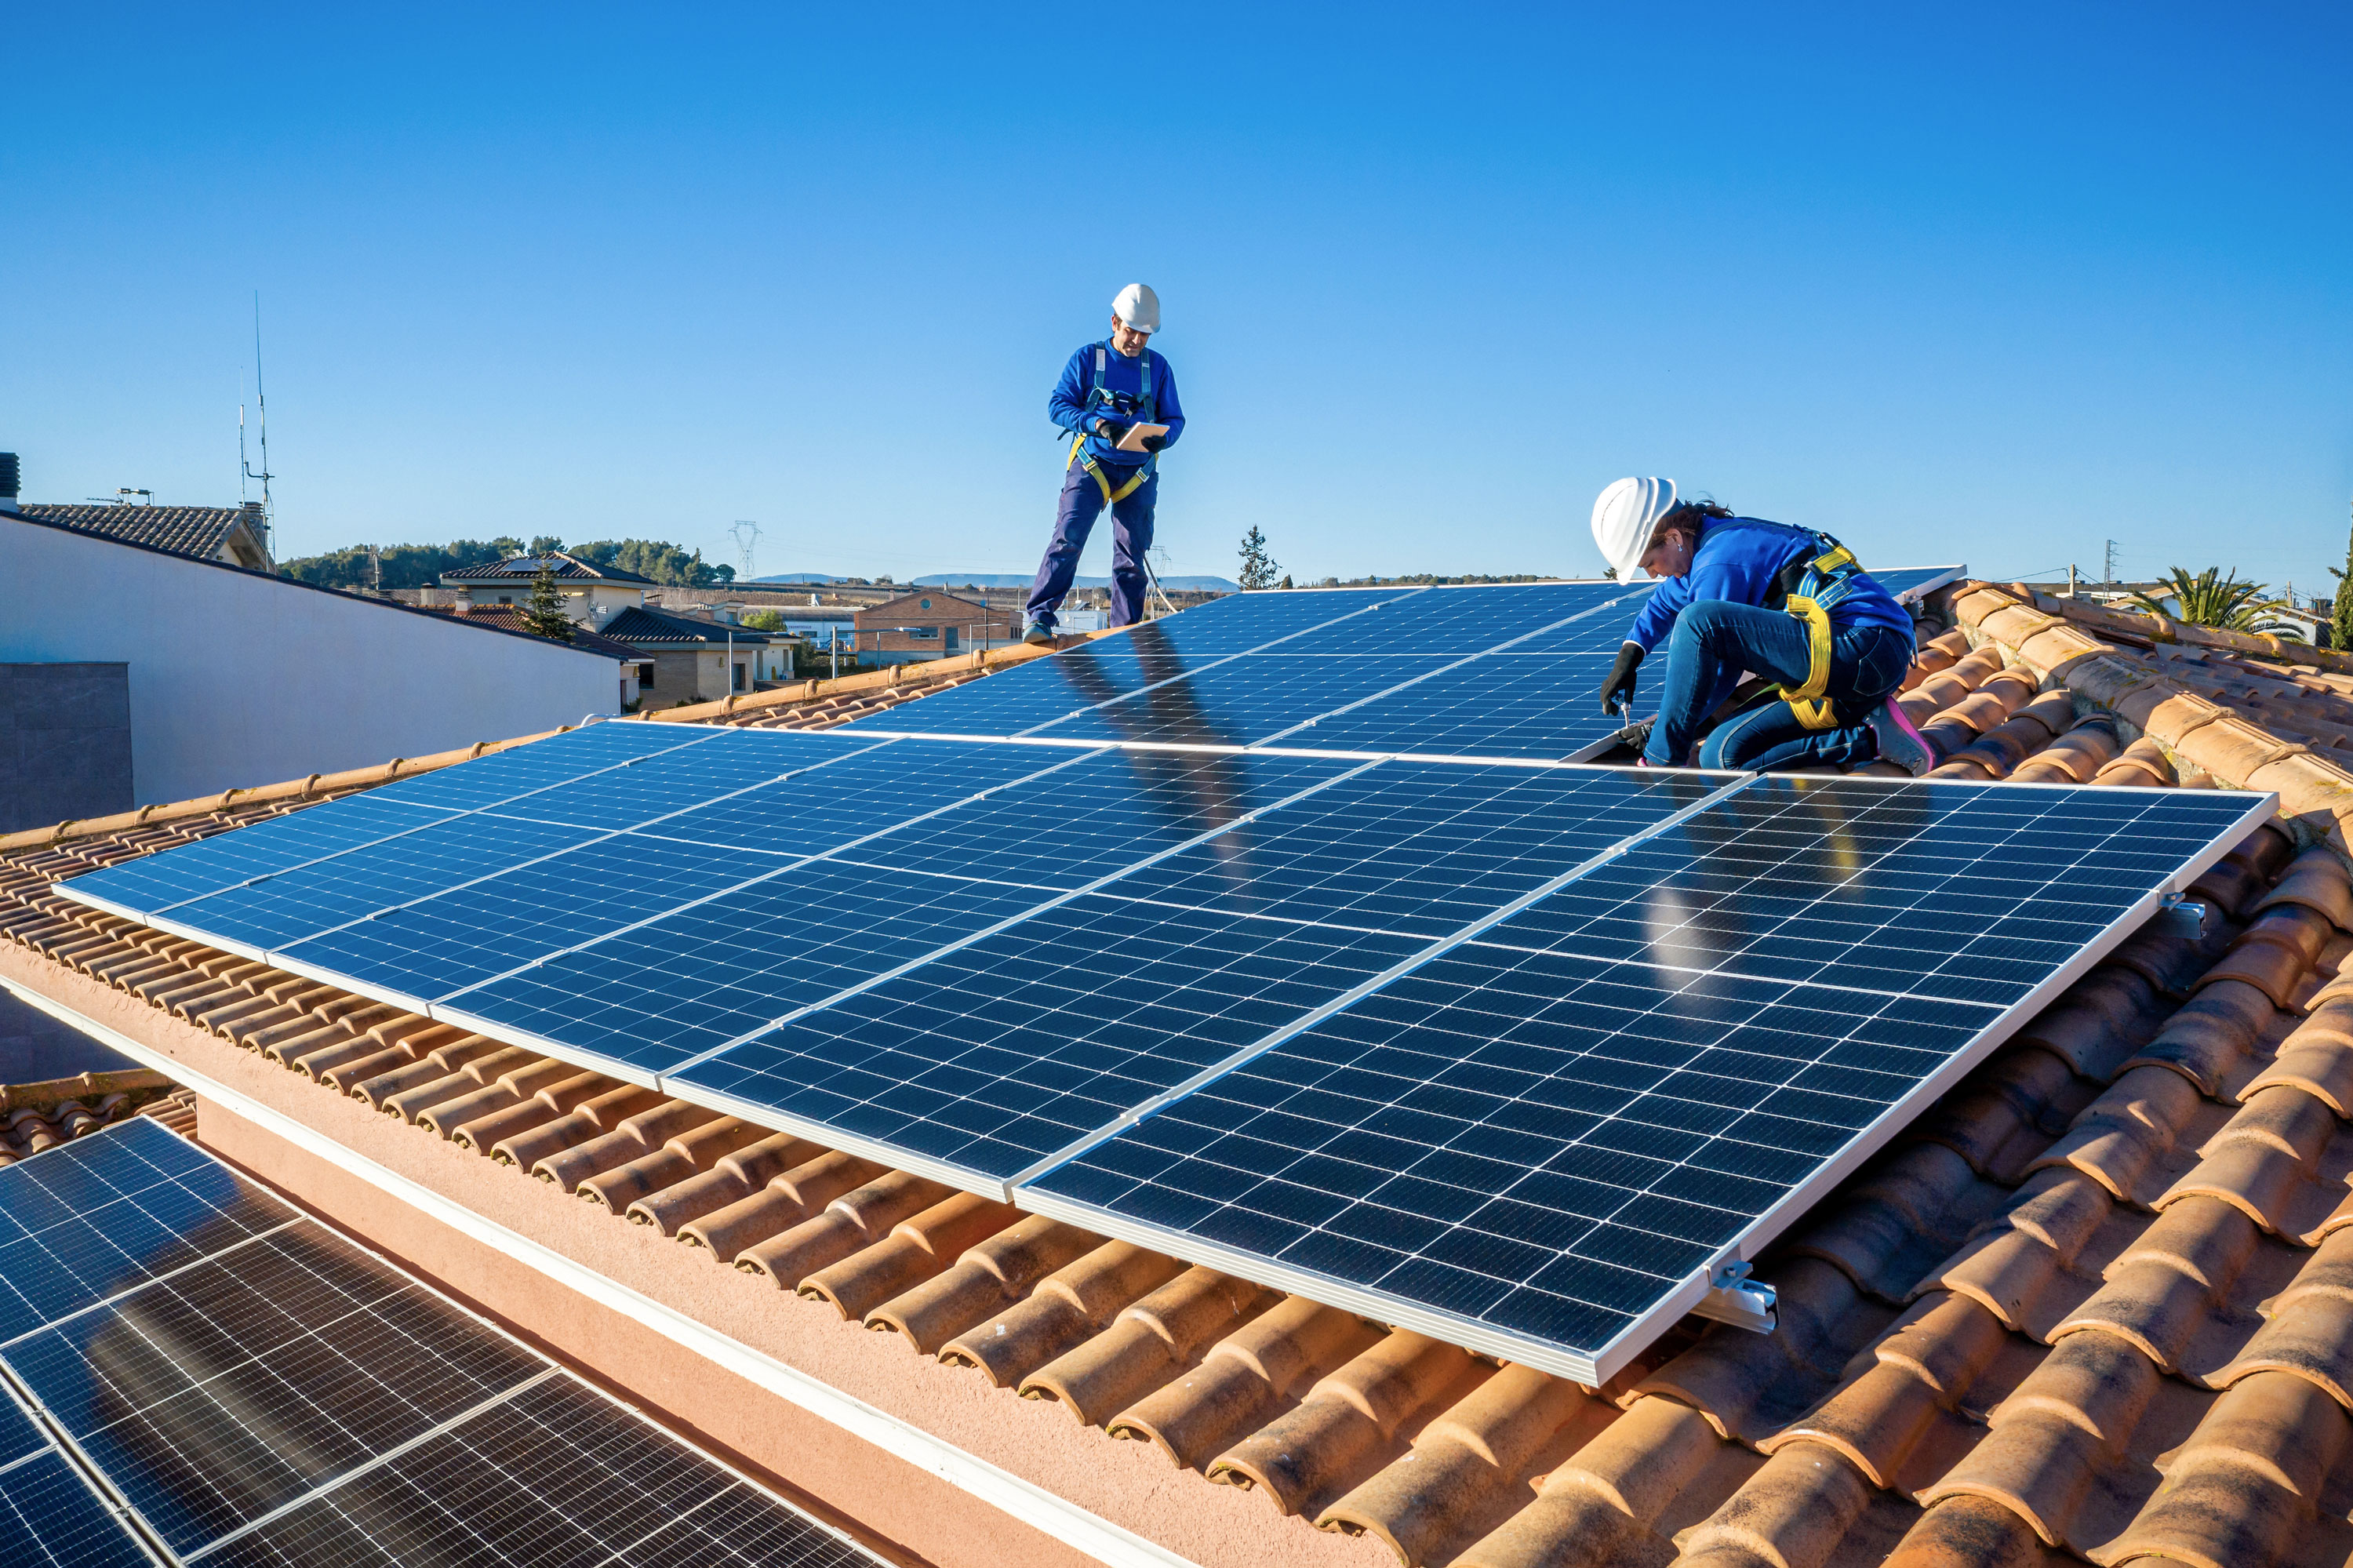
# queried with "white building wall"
point(239, 679)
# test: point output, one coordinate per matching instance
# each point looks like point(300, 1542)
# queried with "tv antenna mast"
point(261, 422)
point(747, 540)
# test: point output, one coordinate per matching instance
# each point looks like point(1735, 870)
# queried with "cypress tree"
point(545, 615)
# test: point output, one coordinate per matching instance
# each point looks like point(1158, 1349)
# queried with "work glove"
point(1110, 430)
point(1154, 443)
point(1617, 691)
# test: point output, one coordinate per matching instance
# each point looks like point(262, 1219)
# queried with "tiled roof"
point(37, 1117)
point(198, 530)
point(512, 617)
point(659, 629)
point(563, 567)
point(2097, 1303)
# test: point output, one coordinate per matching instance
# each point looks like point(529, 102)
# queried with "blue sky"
point(1979, 283)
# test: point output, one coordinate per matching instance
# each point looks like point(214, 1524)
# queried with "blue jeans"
point(1074, 519)
point(1715, 640)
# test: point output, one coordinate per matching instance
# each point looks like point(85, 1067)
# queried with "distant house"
point(684, 658)
point(933, 625)
point(593, 595)
point(233, 536)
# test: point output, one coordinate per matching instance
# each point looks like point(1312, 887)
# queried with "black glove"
point(1110, 430)
point(1617, 691)
point(1154, 443)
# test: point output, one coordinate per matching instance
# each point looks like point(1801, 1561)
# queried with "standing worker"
point(1108, 389)
point(1741, 594)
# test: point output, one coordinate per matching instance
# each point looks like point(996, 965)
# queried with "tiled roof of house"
point(2096, 1304)
point(39, 1117)
point(659, 629)
point(512, 617)
point(198, 530)
point(561, 567)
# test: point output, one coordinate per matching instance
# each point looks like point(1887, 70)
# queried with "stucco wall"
point(239, 679)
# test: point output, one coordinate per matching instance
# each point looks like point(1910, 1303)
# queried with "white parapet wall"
point(239, 679)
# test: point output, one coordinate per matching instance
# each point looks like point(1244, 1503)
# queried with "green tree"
point(544, 543)
point(657, 560)
point(545, 614)
point(1259, 568)
point(2340, 607)
point(764, 620)
point(2210, 598)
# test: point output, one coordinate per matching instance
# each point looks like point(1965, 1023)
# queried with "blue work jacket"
point(1740, 559)
point(1075, 406)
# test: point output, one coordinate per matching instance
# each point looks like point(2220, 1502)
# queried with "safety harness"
point(1809, 587)
point(1138, 411)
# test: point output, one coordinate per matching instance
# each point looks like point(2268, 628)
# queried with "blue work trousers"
point(1074, 519)
point(1715, 640)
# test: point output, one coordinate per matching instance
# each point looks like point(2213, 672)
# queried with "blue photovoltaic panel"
point(19, 1438)
point(1107, 811)
point(1947, 890)
point(868, 793)
point(1241, 702)
point(1601, 634)
point(1242, 622)
point(1540, 1137)
point(1901, 580)
point(279, 910)
point(155, 883)
point(455, 939)
point(1419, 849)
point(280, 1396)
point(97, 1216)
point(1016, 700)
point(503, 775)
point(693, 980)
point(1448, 622)
point(672, 781)
point(990, 1058)
point(48, 1515)
point(1498, 705)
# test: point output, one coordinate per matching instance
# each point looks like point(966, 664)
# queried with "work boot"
point(1040, 637)
point(1899, 742)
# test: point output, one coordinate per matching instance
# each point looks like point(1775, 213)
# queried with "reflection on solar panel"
point(1551, 1137)
point(249, 1386)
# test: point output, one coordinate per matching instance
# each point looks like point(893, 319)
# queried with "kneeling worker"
point(1115, 398)
point(1743, 594)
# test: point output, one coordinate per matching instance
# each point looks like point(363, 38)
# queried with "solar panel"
point(49, 1515)
point(1499, 704)
point(1548, 1140)
point(283, 1397)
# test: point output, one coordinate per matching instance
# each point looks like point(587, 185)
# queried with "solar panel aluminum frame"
point(1718, 1289)
point(133, 1528)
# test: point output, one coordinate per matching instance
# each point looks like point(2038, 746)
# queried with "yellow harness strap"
point(1078, 451)
point(1808, 702)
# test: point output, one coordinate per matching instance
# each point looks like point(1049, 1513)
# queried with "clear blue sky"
point(1969, 282)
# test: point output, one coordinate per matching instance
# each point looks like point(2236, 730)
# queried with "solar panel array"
point(1069, 968)
point(218, 1376)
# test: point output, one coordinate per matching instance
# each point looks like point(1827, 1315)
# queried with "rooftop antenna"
point(748, 539)
point(261, 422)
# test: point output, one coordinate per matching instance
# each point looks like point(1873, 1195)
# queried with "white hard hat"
point(1623, 518)
point(1138, 306)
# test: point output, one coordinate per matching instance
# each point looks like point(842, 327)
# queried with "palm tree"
point(2213, 599)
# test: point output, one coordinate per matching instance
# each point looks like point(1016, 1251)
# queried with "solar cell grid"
point(288, 1398)
point(1241, 622)
point(48, 1516)
point(443, 945)
point(153, 883)
point(281, 910)
point(1014, 701)
point(1421, 848)
point(989, 1058)
point(1501, 704)
point(1951, 890)
point(502, 775)
point(652, 997)
point(1241, 702)
point(670, 782)
point(1453, 621)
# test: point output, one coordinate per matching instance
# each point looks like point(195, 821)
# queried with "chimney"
point(7, 481)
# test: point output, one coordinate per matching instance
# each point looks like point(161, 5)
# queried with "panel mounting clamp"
point(1734, 1297)
point(2182, 915)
